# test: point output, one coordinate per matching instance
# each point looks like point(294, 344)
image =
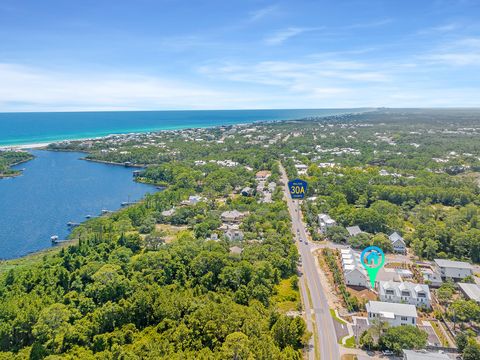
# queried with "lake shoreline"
point(17, 172)
point(64, 197)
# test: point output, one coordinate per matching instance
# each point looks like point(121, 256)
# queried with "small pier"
point(55, 240)
point(127, 203)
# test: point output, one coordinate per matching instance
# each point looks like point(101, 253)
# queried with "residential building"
point(405, 293)
point(424, 355)
point(398, 243)
point(325, 222)
point(262, 175)
point(232, 216)
point(354, 230)
point(455, 270)
point(353, 271)
point(234, 235)
point(247, 191)
point(431, 277)
point(392, 313)
point(168, 212)
point(470, 291)
point(192, 200)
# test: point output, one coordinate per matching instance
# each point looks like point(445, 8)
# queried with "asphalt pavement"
point(324, 327)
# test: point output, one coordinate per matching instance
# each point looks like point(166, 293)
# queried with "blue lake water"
point(29, 128)
point(55, 188)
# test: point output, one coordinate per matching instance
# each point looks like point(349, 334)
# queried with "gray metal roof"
point(424, 355)
point(354, 230)
point(395, 308)
point(395, 237)
point(471, 290)
point(452, 264)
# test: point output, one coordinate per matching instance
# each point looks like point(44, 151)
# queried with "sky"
point(238, 54)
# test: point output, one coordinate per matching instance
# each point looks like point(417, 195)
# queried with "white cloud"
point(262, 13)
point(461, 52)
point(283, 35)
point(26, 88)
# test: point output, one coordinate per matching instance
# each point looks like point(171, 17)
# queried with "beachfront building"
point(454, 270)
point(325, 222)
point(405, 293)
point(353, 271)
point(398, 243)
point(392, 313)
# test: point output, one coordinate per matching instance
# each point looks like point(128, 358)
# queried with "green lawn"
point(350, 342)
point(335, 317)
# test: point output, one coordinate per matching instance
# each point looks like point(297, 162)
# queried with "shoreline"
point(17, 172)
point(44, 144)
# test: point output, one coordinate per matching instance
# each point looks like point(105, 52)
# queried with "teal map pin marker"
point(372, 259)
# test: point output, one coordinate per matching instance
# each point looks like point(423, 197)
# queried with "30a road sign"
point(297, 188)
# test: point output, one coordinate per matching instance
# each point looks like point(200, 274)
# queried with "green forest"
point(9, 158)
point(121, 292)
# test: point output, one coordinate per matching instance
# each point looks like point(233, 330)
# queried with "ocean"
point(32, 128)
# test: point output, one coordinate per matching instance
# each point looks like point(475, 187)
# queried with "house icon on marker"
point(372, 258)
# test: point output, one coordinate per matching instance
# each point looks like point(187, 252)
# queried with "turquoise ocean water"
point(30, 128)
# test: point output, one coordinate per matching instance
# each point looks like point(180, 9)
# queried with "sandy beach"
point(24, 146)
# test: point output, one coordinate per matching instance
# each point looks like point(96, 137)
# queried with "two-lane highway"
point(324, 328)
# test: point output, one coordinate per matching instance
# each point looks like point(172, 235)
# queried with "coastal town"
point(223, 199)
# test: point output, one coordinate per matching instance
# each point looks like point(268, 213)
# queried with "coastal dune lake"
point(56, 188)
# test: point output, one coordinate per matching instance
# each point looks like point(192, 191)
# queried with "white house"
point(392, 313)
point(168, 212)
point(192, 200)
point(398, 243)
point(325, 222)
point(455, 270)
point(353, 271)
point(405, 292)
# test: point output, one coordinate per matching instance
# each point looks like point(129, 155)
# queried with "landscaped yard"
point(350, 342)
point(439, 333)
